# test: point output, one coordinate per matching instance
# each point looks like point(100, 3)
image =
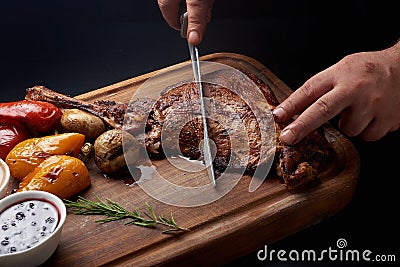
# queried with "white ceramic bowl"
point(4, 178)
point(41, 251)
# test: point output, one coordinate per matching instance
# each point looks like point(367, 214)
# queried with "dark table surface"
point(77, 46)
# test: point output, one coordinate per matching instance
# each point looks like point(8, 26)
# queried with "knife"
point(194, 56)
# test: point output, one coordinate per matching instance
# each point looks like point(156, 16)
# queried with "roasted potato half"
point(79, 121)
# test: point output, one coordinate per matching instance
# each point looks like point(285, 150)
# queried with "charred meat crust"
point(300, 164)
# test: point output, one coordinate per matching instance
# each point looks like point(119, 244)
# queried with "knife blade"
point(203, 93)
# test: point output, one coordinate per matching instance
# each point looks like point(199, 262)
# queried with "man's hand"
point(364, 88)
point(199, 14)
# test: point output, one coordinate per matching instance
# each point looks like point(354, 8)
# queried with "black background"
point(78, 46)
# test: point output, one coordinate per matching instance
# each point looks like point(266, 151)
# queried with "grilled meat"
point(300, 164)
point(234, 127)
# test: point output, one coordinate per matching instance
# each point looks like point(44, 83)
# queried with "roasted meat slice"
point(234, 126)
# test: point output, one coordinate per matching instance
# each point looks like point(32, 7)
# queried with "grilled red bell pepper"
point(10, 136)
point(37, 116)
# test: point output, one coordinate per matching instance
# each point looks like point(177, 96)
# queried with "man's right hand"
point(199, 14)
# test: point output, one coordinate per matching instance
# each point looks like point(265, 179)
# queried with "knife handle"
point(184, 25)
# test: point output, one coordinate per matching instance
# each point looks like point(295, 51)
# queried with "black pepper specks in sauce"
point(26, 224)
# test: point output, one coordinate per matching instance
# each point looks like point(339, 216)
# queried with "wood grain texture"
point(234, 225)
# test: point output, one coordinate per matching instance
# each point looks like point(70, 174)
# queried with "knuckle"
point(199, 4)
point(196, 22)
point(346, 62)
point(324, 107)
point(289, 106)
point(163, 4)
point(300, 124)
point(200, 11)
point(361, 83)
point(370, 67)
point(308, 89)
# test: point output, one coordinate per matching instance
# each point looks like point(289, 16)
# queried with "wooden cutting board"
point(236, 224)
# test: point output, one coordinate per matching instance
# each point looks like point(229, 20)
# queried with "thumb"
point(199, 14)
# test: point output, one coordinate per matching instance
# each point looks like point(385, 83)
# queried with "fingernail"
point(194, 37)
point(279, 114)
point(287, 136)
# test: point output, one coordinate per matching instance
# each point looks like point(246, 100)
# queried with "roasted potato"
point(111, 148)
point(61, 175)
point(79, 121)
point(28, 154)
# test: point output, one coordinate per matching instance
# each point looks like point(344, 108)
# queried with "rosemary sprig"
point(113, 212)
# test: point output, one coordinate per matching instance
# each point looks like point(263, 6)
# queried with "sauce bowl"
point(4, 178)
point(21, 215)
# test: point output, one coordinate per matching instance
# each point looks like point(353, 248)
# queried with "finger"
point(321, 111)
point(170, 11)
point(353, 121)
point(373, 132)
point(199, 14)
point(394, 127)
point(303, 97)
point(377, 129)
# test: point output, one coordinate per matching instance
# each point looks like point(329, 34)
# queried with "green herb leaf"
point(113, 212)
